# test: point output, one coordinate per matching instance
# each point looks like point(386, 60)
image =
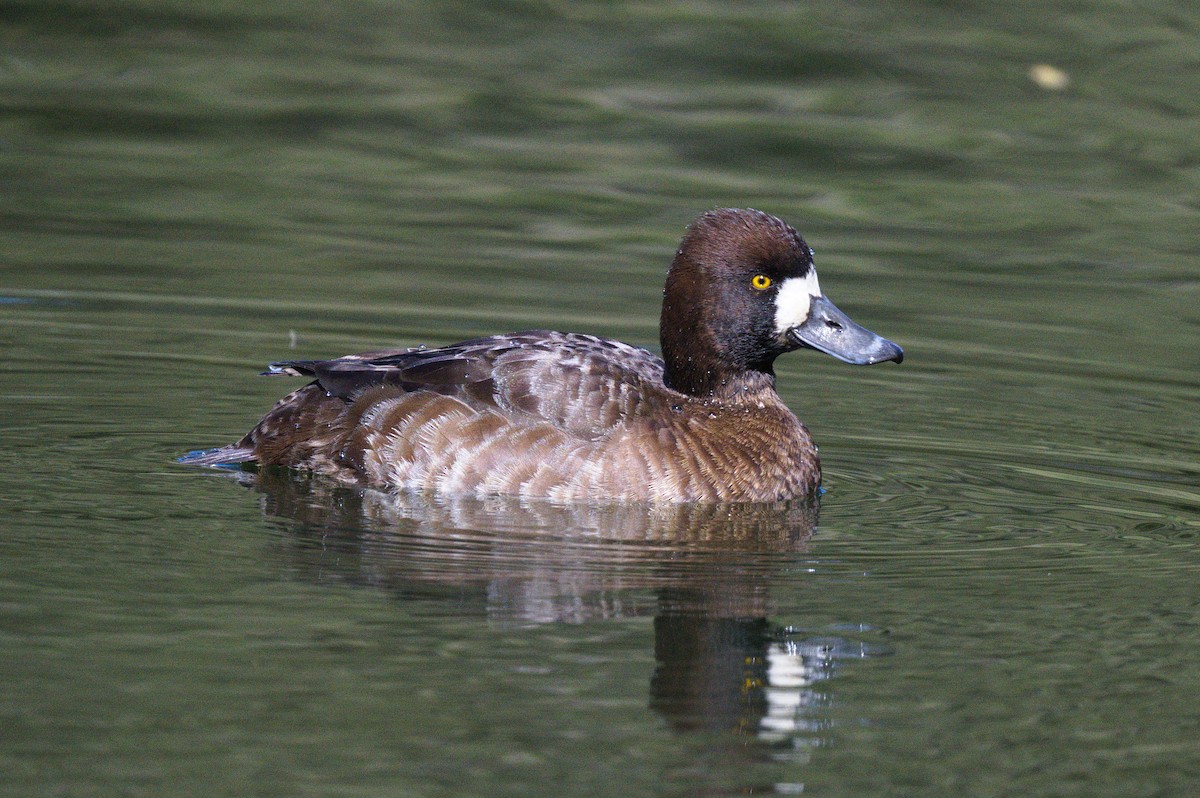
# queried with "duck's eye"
point(760, 282)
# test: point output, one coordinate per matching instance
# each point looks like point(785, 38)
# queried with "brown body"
point(623, 434)
point(574, 417)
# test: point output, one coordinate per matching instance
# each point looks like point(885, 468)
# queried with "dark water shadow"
point(704, 572)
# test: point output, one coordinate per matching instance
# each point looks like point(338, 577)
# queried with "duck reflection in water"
point(703, 571)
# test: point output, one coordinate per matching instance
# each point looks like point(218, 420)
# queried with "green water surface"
point(998, 597)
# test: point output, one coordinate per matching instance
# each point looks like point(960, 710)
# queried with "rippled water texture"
point(996, 596)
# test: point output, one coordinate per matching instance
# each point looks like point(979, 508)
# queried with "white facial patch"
point(793, 300)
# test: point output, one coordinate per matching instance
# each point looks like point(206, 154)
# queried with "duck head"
point(743, 290)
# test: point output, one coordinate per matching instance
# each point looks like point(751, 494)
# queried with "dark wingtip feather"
point(292, 368)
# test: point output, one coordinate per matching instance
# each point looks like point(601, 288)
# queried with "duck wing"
point(582, 384)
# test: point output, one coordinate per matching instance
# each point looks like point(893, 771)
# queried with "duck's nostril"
point(834, 325)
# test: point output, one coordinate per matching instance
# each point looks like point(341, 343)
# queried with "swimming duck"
point(568, 416)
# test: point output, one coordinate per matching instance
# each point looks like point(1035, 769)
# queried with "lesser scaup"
point(575, 417)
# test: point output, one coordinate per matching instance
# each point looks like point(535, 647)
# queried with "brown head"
point(741, 291)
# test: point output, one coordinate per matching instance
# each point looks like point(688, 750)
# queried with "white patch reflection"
point(792, 669)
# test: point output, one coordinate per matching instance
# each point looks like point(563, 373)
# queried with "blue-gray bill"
point(827, 329)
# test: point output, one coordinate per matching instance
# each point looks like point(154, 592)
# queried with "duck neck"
point(719, 385)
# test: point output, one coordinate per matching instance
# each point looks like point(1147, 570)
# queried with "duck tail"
point(231, 455)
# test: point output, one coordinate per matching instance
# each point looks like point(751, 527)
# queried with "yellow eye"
point(760, 282)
